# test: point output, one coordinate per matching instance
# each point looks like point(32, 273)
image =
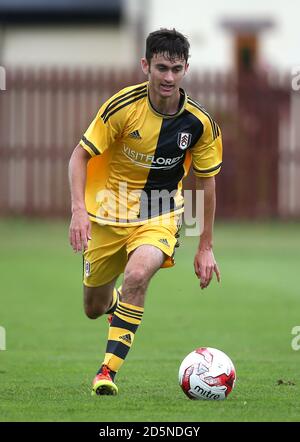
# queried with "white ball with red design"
point(207, 373)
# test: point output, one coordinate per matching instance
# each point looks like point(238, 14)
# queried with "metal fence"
point(43, 114)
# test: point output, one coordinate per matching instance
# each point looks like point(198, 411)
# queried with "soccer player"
point(125, 178)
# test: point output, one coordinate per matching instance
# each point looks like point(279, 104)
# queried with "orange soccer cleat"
point(103, 383)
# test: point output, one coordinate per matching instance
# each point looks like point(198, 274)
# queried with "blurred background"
point(63, 58)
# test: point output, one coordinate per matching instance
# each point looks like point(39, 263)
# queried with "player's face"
point(165, 75)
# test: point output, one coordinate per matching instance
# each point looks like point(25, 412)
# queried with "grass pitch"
point(53, 350)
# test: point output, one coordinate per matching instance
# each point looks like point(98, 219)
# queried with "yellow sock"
point(125, 322)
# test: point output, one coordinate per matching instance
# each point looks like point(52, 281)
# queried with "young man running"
point(126, 178)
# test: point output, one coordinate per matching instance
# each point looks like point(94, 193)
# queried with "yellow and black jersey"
point(140, 156)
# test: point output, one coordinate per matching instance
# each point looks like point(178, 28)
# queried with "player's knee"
point(90, 313)
point(93, 312)
point(135, 278)
point(96, 302)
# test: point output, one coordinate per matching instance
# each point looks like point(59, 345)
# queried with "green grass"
point(53, 350)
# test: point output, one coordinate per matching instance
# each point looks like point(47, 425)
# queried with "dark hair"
point(169, 42)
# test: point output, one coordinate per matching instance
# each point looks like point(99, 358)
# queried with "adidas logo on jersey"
point(135, 134)
point(164, 241)
point(126, 338)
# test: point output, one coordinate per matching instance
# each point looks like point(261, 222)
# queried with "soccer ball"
point(207, 373)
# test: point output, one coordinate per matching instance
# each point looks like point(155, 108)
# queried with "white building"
point(122, 44)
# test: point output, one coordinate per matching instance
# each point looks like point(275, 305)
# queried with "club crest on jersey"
point(184, 140)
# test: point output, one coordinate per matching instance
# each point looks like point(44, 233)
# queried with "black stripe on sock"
point(118, 322)
point(128, 310)
point(128, 315)
point(117, 348)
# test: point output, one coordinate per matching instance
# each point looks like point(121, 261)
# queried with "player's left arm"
point(207, 162)
point(204, 263)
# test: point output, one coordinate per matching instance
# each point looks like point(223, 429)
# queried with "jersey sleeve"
point(102, 132)
point(207, 153)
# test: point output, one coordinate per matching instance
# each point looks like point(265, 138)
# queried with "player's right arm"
point(101, 134)
point(80, 226)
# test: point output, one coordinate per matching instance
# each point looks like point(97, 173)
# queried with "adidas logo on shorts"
point(164, 241)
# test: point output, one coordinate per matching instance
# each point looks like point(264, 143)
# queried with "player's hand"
point(80, 230)
point(205, 266)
